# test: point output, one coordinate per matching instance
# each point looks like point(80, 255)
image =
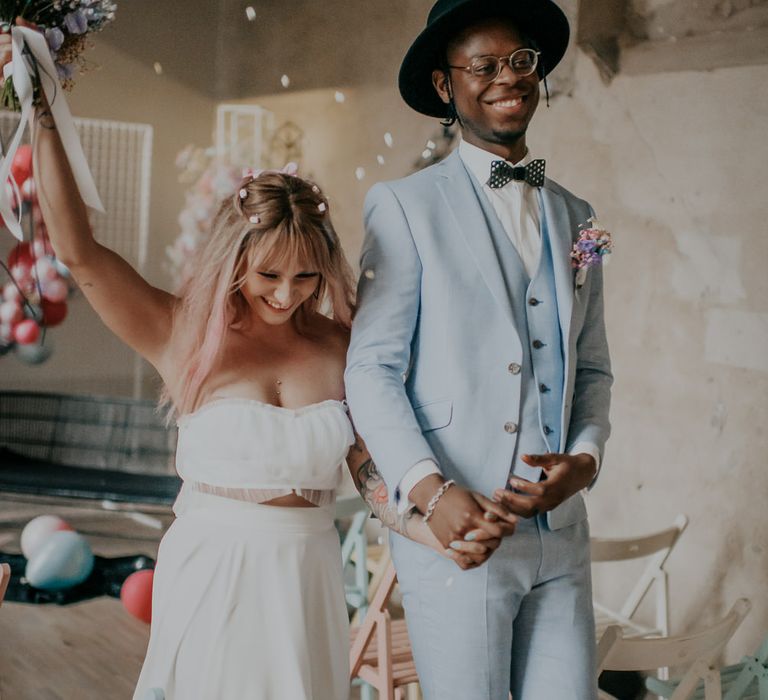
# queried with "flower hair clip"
point(590, 249)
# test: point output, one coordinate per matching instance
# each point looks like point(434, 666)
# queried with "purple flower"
point(66, 71)
point(76, 22)
point(55, 38)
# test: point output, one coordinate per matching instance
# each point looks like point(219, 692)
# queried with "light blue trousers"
point(522, 622)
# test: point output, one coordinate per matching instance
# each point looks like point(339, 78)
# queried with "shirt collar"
point(478, 161)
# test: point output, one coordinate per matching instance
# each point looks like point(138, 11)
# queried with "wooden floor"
point(87, 651)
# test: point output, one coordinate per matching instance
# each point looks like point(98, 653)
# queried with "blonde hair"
point(273, 217)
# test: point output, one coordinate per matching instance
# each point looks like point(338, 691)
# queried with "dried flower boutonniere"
point(590, 249)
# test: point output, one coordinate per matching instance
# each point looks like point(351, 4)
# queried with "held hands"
point(467, 524)
point(565, 476)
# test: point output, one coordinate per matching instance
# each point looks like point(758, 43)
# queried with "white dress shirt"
point(517, 206)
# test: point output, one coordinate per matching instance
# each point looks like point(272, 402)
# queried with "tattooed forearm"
point(44, 119)
point(374, 492)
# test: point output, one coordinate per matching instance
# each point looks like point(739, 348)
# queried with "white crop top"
point(246, 449)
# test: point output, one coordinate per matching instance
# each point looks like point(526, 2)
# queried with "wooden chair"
point(658, 547)
point(698, 651)
point(5, 579)
point(380, 652)
point(746, 680)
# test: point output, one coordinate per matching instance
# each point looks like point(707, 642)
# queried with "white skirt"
point(248, 604)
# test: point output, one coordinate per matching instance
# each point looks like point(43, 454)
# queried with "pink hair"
point(290, 223)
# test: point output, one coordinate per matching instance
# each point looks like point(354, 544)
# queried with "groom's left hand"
point(565, 475)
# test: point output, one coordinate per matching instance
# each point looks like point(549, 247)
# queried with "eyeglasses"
point(523, 62)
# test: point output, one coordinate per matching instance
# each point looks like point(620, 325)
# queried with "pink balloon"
point(45, 269)
point(11, 292)
point(55, 290)
point(28, 189)
point(22, 273)
point(136, 594)
point(26, 332)
point(11, 312)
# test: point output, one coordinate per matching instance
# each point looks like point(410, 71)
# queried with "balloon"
point(21, 254)
point(54, 312)
point(11, 292)
point(22, 273)
point(35, 354)
point(21, 166)
point(11, 312)
point(42, 246)
point(45, 269)
point(38, 530)
point(63, 561)
point(28, 190)
point(136, 594)
point(55, 290)
point(26, 332)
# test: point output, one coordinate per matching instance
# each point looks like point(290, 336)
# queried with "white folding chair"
point(698, 651)
point(657, 547)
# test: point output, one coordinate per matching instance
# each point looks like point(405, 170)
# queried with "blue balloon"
point(63, 561)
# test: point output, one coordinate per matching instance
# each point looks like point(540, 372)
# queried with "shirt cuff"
point(591, 449)
point(413, 476)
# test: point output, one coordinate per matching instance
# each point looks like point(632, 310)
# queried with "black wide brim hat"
point(540, 20)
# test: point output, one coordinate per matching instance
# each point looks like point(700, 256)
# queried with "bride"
point(248, 597)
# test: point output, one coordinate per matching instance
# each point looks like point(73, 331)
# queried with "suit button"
point(538, 344)
point(543, 388)
point(547, 430)
point(514, 368)
point(510, 427)
point(533, 301)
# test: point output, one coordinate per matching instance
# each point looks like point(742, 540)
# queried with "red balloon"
point(21, 253)
point(21, 166)
point(26, 332)
point(54, 312)
point(136, 594)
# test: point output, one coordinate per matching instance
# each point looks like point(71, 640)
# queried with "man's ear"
point(442, 84)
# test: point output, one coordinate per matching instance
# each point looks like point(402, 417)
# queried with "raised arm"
point(130, 307)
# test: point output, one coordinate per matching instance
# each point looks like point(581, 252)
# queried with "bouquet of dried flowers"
point(66, 25)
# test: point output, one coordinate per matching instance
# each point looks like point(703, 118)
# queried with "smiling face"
point(274, 291)
point(494, 115)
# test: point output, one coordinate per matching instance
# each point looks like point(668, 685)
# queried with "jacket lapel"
point(467, 213)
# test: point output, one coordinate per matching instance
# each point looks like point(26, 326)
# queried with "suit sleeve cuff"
point(413, 476)
point(591, 449)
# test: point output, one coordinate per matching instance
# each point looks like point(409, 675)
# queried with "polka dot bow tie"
point(502, 173)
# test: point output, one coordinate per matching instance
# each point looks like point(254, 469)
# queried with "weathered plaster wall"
point(675, 164)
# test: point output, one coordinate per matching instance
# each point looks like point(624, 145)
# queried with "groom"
point(477, 361)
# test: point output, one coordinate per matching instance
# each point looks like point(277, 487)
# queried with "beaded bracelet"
point(433, 501)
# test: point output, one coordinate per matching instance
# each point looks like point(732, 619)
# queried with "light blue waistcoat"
point(542, 370)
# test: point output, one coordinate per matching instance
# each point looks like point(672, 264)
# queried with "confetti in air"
point(389, 140)
point(285, 81)
point(360, 173)
point(250, 13)
point(380, 159)
point(431, 145)
point(426, 154)
point(339, 96)
point(158, 68)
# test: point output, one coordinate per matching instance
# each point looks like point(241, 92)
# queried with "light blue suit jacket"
point(427, 373)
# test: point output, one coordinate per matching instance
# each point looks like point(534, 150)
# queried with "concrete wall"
point(87, 358)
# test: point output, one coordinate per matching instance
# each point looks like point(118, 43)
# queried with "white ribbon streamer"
point(22, 69)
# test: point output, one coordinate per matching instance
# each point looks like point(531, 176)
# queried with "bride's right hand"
point(6, 46)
